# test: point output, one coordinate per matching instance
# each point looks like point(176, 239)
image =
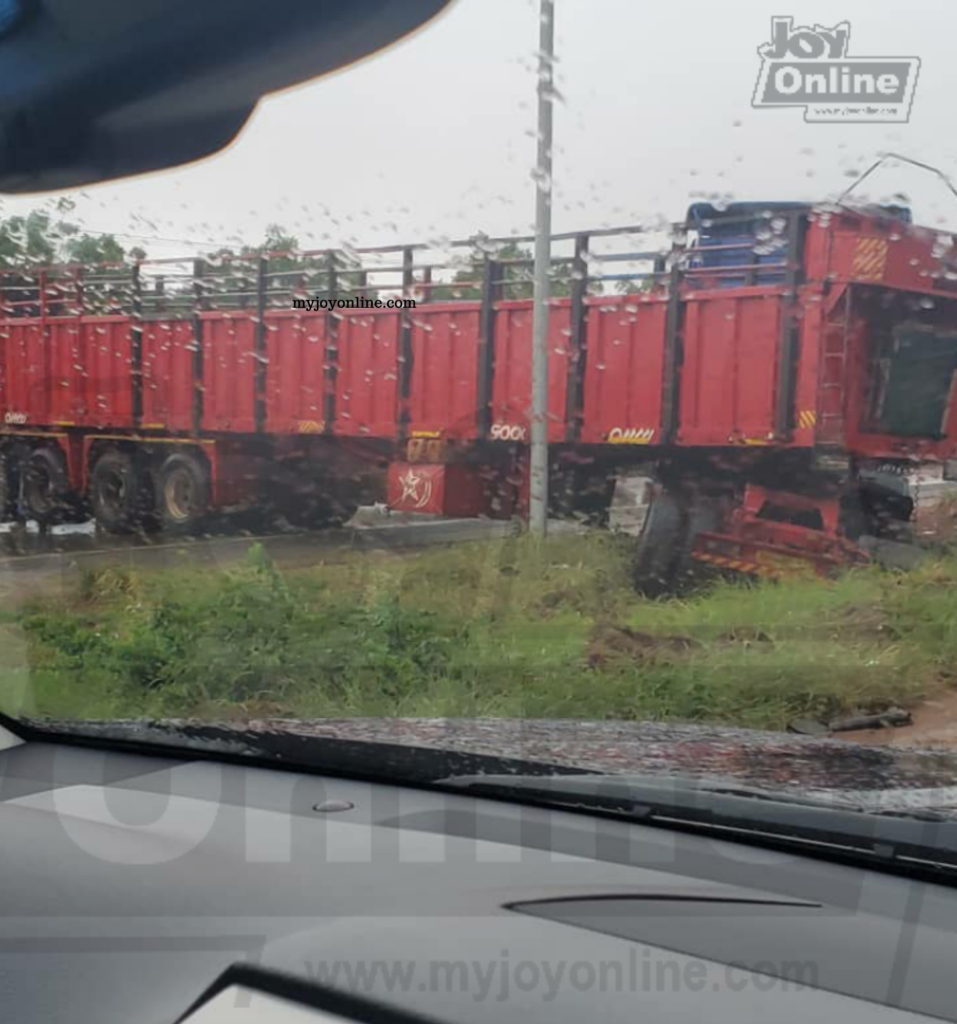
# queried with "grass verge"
point(511, 627)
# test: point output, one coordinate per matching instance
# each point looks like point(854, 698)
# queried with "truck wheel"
point(10, 459)
point(115, 491)
point(339, 511)
point(315, 511)
point(45, 488)
point(660, 543)
point(182, 494)
point(704, 516)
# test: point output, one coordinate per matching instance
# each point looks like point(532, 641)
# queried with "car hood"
point(422, 750)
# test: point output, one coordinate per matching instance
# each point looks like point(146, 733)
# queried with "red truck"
point(783, 374)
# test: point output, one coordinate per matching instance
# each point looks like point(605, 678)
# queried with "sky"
point(435, 137)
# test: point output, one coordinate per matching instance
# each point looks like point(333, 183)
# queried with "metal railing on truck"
point(444, 270)
point(667, 261)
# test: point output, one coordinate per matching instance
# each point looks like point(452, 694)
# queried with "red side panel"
point(168, 351)
point(730, 367)
point(229, 397)
point(295, 374)
point(445, 352)
point(512, 386)
point(65, 397)
point(623, 377)
point(27, 400)
point(367, 374)
point(104, 391)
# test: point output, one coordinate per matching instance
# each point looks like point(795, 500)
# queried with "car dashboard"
point(156, 889)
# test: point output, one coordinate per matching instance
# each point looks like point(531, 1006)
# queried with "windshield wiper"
point(922, 840)
point(316, 748)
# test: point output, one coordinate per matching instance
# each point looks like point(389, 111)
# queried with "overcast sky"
point(435, 137)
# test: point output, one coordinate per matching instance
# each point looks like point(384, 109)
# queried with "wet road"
point(33, 563)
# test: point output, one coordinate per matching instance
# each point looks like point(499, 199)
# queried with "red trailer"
point(782, 374)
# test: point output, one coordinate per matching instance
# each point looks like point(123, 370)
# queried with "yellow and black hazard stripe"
point(799, 567)
point(807, 418)
point(311, 427)
point(724, 562)
point(870, 259)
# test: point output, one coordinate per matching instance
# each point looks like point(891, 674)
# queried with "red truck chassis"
point(781, 374)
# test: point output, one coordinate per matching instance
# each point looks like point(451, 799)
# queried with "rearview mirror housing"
point(101, 89)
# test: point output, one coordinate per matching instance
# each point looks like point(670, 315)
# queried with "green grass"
point(513, 628)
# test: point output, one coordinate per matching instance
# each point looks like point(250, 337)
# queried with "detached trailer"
point(782, 374)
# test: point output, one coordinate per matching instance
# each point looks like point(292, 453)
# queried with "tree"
point(46, 238)
point(232, 276)
point(42, 238)
point(514, 277)
point(25, 240)
point(86, 248)
point(636, 286)
point(297, 274)
point(105, 289)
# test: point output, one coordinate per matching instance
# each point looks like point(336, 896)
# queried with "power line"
point(155, 238)
point(83, 229)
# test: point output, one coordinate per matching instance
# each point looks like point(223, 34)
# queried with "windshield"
point(571, 383)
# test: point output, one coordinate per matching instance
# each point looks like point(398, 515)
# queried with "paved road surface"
point(32, 564)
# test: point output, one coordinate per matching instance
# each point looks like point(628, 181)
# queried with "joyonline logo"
point(810, 68)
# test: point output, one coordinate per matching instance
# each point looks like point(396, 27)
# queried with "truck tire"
point(115, 492)
point(703, 516)
point(182, 493)
point(315, 511)
point(660, 543)
point(340, 510)
point(10, 459)
point(45, 488)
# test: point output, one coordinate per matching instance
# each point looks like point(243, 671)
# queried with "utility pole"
point(538, 461)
